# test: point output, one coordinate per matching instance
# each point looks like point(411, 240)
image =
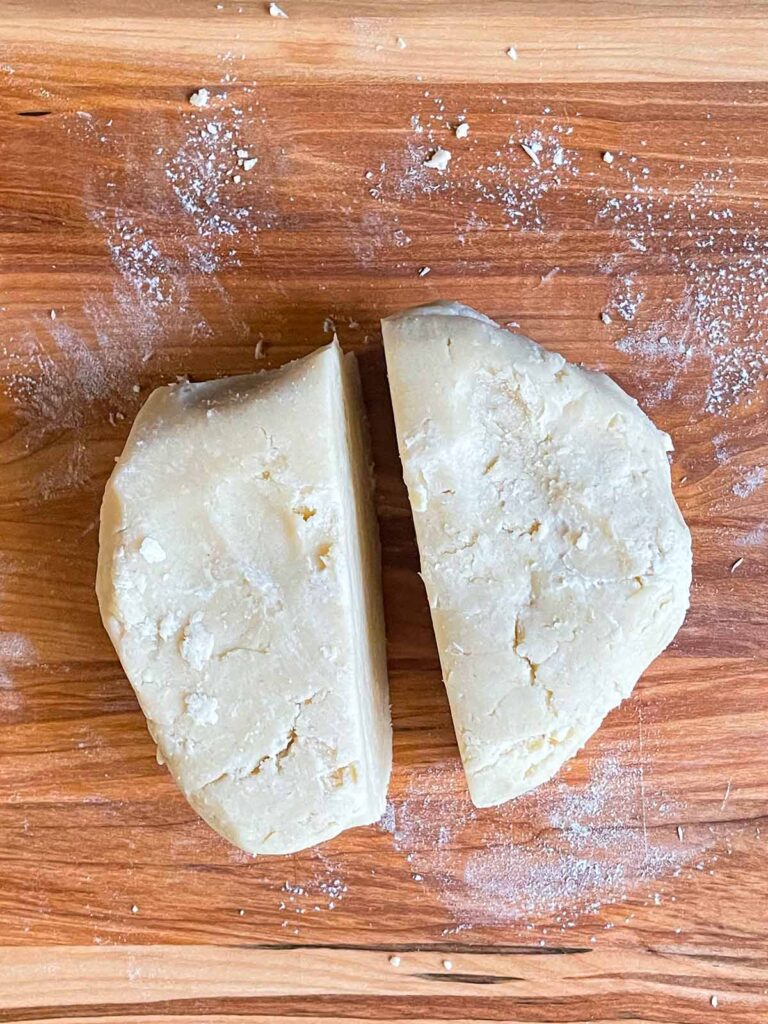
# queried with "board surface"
point(628, 232)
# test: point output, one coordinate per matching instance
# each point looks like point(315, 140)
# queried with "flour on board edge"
point(555, 855)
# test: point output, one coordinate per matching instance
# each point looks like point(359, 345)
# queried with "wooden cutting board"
point(628, 232)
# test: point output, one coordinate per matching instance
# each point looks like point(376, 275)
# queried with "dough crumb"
point(606, 318)
point(607, 158)
point(276, 11)
point(201, 98)
point(395, 961)
point(462, 130)
point(249, 164)
point(202, 708)
point(512, 53)
point(532, 150)
point(439, 160)
point(197, 645)
point(448, 965)
point(423, 271)
point(151, 551)
point(401, 43)
point(713, 1001)
point(736, 564)
point(134, 909)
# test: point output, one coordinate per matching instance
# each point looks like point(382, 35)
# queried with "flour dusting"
point(554, 855)
point(751, 481)
point(720, 257)
point(530, 166)
point(65, 373)
point(753, 538)
point(16, 649)
point(320, 890)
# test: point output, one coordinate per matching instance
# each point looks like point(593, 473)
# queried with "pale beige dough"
point(554, 556)
point(239, 581)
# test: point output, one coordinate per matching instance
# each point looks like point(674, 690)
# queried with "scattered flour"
point(715, 252)
point(747, 479)
point(627, 297)
point(753, 538)
point(563, 851)
point(719, 255)
point(136, 256)
point(65, 373)
point(750, 482)
point(533, 163)
point(321, 889)
point(16, 649)
point(201, 174)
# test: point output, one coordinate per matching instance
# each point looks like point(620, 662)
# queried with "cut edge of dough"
point(367, 605)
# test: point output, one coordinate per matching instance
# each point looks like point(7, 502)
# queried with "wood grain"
point(357, 40)
point(116, 903)
point(237, 980)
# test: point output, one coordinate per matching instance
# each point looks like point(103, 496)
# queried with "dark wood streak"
point(469, 979)
point(573, 1010)
point(435, 947)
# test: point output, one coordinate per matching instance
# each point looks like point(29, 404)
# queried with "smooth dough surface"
point(239, 580)
point(554, 556)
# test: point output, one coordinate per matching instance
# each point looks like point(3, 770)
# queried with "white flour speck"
point(750, 482)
